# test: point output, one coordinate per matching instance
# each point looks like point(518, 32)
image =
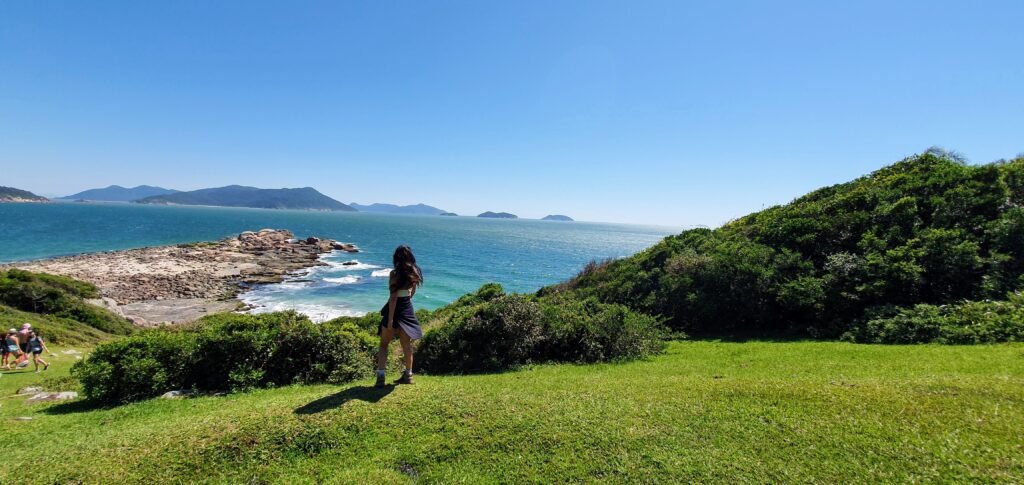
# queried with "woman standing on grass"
point(398, 314)
point(37, 346)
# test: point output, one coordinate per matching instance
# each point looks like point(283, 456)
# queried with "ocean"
point(457, 254)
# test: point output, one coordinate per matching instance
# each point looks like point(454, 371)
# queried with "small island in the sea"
point(11, 194)
point(116, 193)
point(417, 209)
point(449, 214)
point(306, 198)
point(557, 217)
point(498, 215)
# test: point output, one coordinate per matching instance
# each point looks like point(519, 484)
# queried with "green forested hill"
point(845, 260)
point(18, 195)
point(305, 198)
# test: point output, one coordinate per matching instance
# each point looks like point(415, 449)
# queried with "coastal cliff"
point(175, 284)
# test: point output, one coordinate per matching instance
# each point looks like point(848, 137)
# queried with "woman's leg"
point(38, 359)
point(406, 349)
point(386, 334)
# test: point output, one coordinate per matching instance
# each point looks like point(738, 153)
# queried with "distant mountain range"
point(306, 198)
point(116, 193)
point(418, 209)
point(498, 215)
point(557, 217)
point(11, 194)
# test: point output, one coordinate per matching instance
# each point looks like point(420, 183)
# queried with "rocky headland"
point(176, 284)
point(11, 194)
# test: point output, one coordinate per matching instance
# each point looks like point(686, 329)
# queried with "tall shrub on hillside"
point(927, 230)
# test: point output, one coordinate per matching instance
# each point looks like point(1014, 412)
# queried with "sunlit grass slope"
point(706, 411)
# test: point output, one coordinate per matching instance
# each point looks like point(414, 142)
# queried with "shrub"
point(501, 334)
point(225, 352)
point(589, 331)
point(137, 367)
point(514, 330)
point(971, 322)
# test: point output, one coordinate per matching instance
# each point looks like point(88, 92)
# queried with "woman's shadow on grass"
point(338, 399)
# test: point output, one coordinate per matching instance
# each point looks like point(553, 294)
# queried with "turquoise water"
point(458, 254)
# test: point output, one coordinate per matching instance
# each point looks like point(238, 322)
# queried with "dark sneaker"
point(380, 381)
point(405, 379)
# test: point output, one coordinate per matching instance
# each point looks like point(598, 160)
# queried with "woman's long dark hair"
point(407, 272)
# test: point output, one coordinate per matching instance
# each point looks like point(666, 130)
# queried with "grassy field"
point(705, 411)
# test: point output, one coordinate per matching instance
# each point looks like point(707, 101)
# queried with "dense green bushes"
point(928, 230)
point(971, 322)
point(488, 331)
point(225, 352)
point(59, 297)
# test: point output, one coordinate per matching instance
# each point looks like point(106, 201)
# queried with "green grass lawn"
point(705, 411)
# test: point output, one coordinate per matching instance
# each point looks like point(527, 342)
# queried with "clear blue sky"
point(676, 113)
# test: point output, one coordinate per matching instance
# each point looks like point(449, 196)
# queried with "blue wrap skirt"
point(405, 318)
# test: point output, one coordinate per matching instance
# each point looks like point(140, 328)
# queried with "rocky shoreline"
point(176, 284)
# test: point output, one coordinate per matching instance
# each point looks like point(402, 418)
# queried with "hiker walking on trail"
point(36, 346)
point(12, 347)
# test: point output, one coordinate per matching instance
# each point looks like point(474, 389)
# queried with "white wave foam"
point(288, 285)
point(381, 273)
point(316, 313)
point(344, 280)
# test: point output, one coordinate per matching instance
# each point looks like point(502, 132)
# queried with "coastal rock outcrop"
point(173, 284)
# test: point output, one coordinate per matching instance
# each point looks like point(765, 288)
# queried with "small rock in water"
point(350, 263)
point(53, 396)
point(29, 390)
point(349, 248)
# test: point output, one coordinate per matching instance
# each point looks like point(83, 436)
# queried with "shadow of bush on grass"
point(360, 393)
point(78, 406)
